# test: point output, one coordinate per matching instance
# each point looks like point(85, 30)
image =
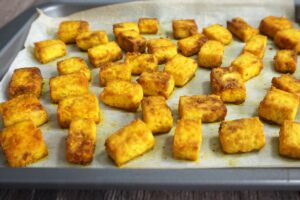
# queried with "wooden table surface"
point(10, 9)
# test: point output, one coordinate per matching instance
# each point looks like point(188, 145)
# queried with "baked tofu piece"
point(219, 33)
point(289, 139)
point(207, 108)
point(278, 106)
point(89, 39)
point(84, 106)
point(242, 135)
point(156, 114)
point(49, 50)
point(285, 61)
point(140, 63)
point(157, 83)
point(187, 139)
point(23, 144)
point(68, 85)
point(129, 142)
point(288, 39)
point(148, 25)
point(131, 41)
point(191, 45)
point(183, 28)
point(122, 94)
point(270, 25)
point(81, 141)
point(248, 65)
point(27, 80)
point(74, 65)
point(211, 54)
point(256, 45)
point(241, 29)
point(228, 84)
point(162, 48)
point(23, 107)
point(69, 30)
point(287, 83)
point(125, 26)
point(181, 68)
point(112, 71)
point(104, 53)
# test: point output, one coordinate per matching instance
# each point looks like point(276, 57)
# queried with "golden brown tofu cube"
point(104, 53)
point(270, 25)
point(81, 141)
point(23, 107)
point(242, 135)
point(157, 83)
point(248, 65)
point(112, 71)
point(83, 106)
point(49, 50)
point(207, 108)
point(156, 114)
point(241, 29)
point(187, 139)
point(129, 142)
point(69, 30)
point(122, 94)
point(131, 41)
point(68, 85)
point(289, 139)
point(87, 40)
point(181, 68)
point(285, 61)
point(287, 83)
point(278, 106)
point(219, 33)
point(211, 54)
point(148, 25)
point(141, 62)
point(191, 45)
point(183, 28)
point(125, 26)
point(228, 84)
point(288, 39)
point(256, 45)
point(27, 80)
point(73, 65)
point(162, 48)
point(23, 144)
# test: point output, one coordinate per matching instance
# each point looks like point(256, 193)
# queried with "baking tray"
point(12, 40)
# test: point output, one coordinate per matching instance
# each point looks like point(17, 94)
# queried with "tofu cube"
point(131, 41)
point(122, 94)
point(125, 26)
point(156, 114)
point(129, 142)
point(242, 135)
point(183, 28)
point(287, 83)
point(187, 139)
point(219, 33)
point(278, 106)
point(162, 48)
point(211, 54)
point(148, 25)
point(89, 39)
point(207, 108)
point(49, 50)
point(288, 39)
point(140, 63)
point(74, 65)
point(228, 84)
point(27, 80)
point(23, 144)
point(285, 61)
point(112, 71)
point(241, 29)
point(104, 53)
point(181, 68)
point(191, 45)
point(256, 45)
point(270, 25)
point(289, 139)
point(69, 30)
point(68, 85)
point(81, 141)
point(23, 107)
point(157, 83)
point(82, 106)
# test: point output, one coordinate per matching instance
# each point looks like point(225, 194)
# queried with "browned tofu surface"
point(69, 30)
point(183, 28)
point(141, 62)
point(287, 83)
point(148, 25)
point(48, 50)
point(241, 29)
point(256, 45)
point(162, 48)
point(131, 41)
point(125, 26)
point(211, 54)
point(89, 39)
point(289, 139)
point(288, 39)
point(272, 24)
point(219, 33)
point(285, 61)
point(113, 71)
point(73, 65)
point(191, 45)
